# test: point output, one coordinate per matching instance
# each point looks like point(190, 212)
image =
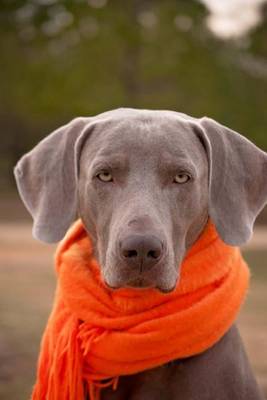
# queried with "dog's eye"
point(182, 178)
point(105, 176)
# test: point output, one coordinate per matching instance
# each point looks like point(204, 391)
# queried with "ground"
point(27, 283)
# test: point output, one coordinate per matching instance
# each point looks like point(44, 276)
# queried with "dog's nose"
point(141, 250)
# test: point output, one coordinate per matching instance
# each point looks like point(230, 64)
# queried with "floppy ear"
point(237, 181)
point(47, 180)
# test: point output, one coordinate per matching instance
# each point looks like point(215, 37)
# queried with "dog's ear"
point(237, 180)
point(47, 179)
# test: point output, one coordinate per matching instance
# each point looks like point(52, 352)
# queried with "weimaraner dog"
point(149, 180)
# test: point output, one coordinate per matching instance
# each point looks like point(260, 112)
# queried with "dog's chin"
point(141, 283)
point(138, 284)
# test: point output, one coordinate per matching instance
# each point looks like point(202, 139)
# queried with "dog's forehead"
point(142, 131)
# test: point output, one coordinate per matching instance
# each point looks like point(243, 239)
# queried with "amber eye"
point(181, 178)
point(105, 176)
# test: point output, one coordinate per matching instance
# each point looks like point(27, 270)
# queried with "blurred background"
point(61, 59)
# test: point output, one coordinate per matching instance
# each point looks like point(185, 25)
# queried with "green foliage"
point(60, 59)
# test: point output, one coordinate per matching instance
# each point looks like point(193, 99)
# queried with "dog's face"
point(143, 198)
point(144, 183)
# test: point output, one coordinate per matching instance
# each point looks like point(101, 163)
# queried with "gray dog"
point(144, 184)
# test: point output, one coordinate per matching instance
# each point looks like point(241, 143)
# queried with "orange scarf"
point(96, 334)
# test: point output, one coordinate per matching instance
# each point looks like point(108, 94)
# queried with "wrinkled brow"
point(169, 162)
point(109, 159)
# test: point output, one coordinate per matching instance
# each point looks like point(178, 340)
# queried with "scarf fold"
point(95, 334)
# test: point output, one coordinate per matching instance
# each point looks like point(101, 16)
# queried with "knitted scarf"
point(95, 334)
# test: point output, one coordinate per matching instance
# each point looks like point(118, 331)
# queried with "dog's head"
point(144, 184)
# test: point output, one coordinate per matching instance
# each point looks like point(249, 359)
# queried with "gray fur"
point(57, 181)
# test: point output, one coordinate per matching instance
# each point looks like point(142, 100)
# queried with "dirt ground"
point(27, 283)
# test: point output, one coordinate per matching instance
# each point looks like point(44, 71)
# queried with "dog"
point(145, 183)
